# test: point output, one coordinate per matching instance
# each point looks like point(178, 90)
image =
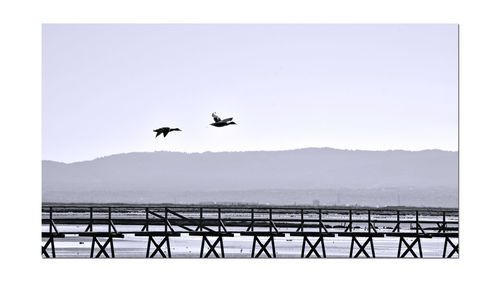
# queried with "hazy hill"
point(428, 178)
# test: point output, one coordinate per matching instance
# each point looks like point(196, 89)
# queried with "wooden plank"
point(157, 233)
point(360, 234)
point(313, 234)
point(262, 233)
point(406, 234)
point(100, 234)
point(211, 234)
point(53, 234)
point(445, 234)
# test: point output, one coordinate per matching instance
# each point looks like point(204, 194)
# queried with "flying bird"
point(165, 131)
point(221, 123)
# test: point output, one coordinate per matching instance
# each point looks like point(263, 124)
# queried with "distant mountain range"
point(331, 176)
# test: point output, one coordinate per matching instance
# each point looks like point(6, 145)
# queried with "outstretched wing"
point(158, 132)
point(216, 118)
point(165, 132)
point(227, 120)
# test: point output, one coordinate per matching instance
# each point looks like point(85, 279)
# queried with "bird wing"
point(165, 132)
point(158, 131)
point(227, 120)
point(216, 118)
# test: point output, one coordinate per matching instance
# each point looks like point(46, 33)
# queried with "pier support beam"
point(409, 247)
point(312, 241)
point(263, 247)
point(312, 247)
point(263, 242)
point(165, 240)
point(108, 236)
point(211, 247)
point(50, 242)
point(454, 247)
point(406, 247)
point(158, 249)
point(365, 247)
point(102, 247)
point(362, 247)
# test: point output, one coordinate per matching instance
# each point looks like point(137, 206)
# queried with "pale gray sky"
point(377, 87)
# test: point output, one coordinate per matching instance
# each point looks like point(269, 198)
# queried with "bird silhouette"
point(165, 131)
point(221, 123)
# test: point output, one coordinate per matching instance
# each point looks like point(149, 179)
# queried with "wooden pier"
point(214, 224)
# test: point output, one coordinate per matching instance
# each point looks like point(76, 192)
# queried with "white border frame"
point(20, 117)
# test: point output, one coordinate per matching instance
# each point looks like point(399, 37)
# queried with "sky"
point(105, 88)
